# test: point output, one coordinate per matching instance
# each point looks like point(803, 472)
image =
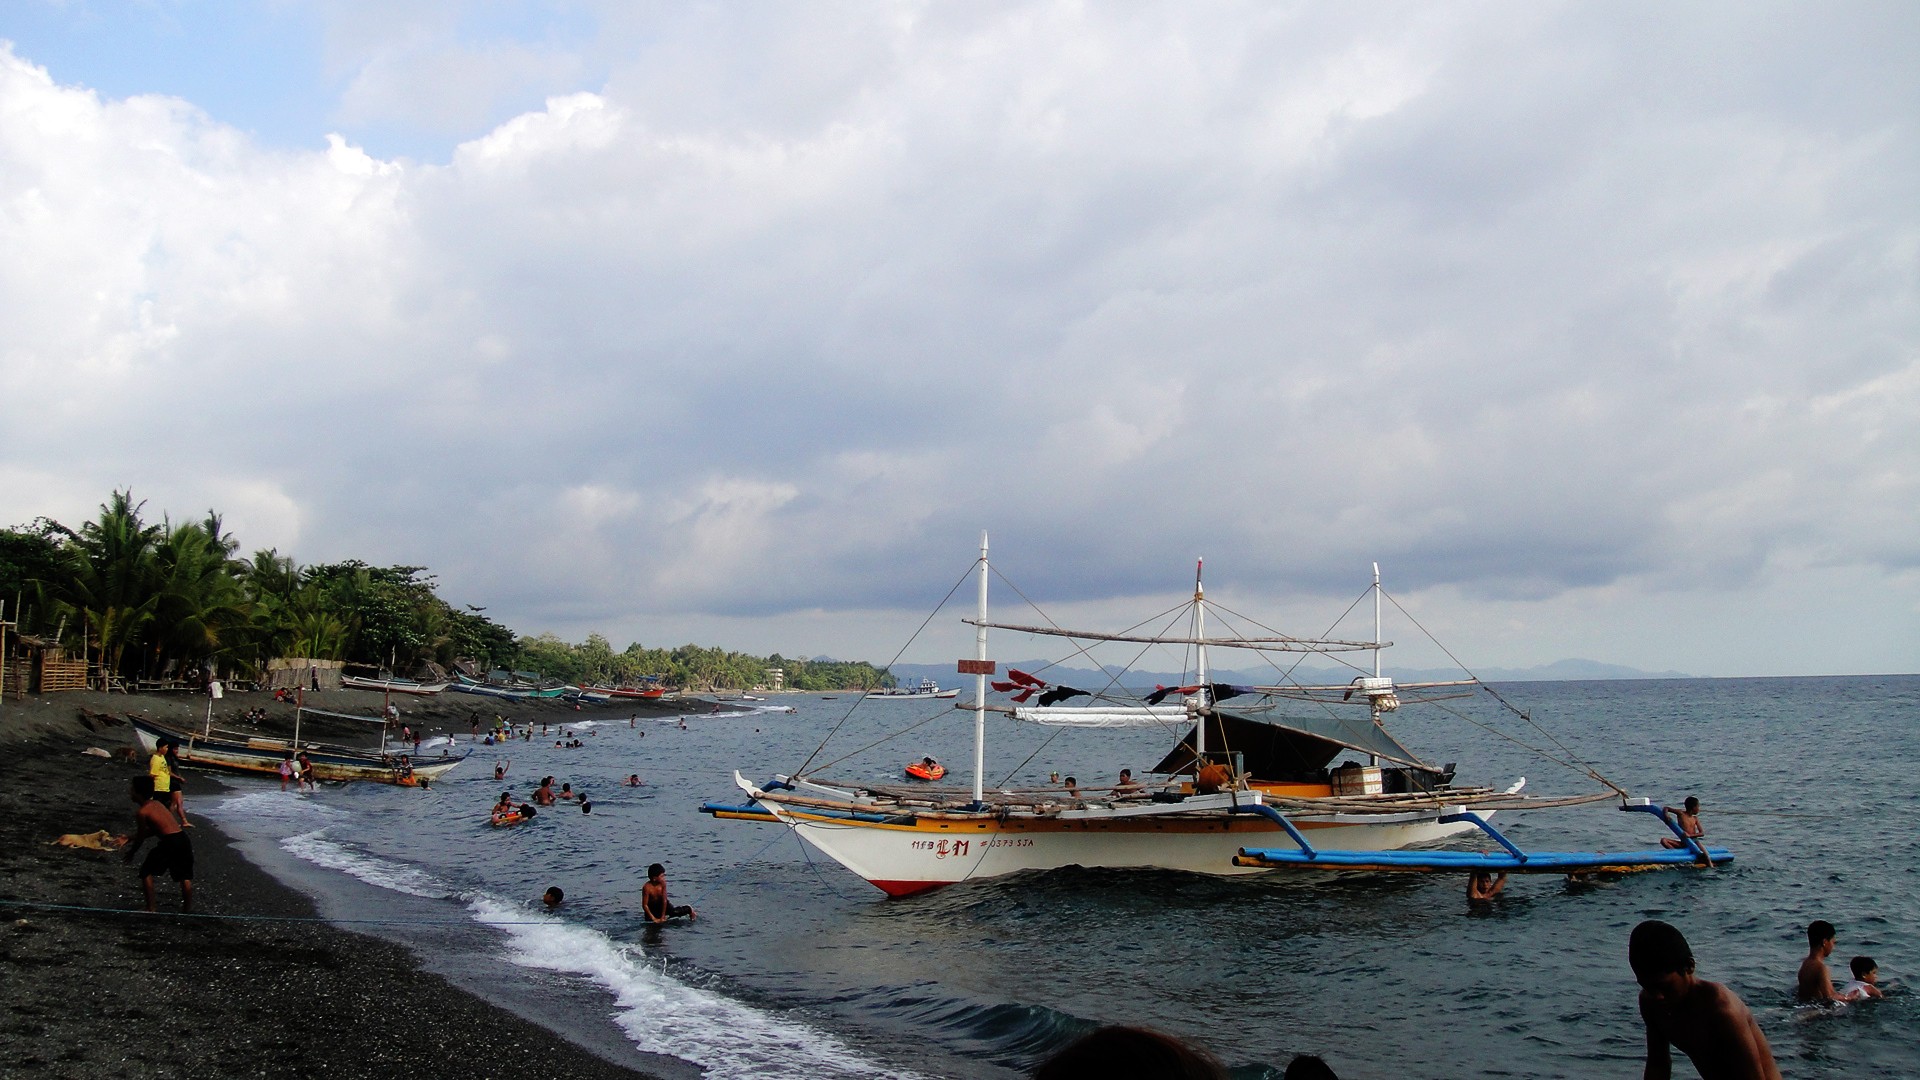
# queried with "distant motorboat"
point(926, 689)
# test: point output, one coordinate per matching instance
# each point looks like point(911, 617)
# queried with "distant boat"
point(926, 769)
point(648, 693)
point(392, 685)
point(927, 689)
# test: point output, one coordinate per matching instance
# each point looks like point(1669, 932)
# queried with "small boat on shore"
point(390, 685)
point(262, 755)
point(511, 691)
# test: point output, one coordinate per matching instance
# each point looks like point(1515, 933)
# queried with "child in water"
point(1866, 981)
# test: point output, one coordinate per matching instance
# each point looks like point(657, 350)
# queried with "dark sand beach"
point(95, 987)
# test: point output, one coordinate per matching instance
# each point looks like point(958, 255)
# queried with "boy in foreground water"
point(1706, 1021)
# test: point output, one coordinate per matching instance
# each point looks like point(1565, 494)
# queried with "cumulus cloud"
point(1537, 305)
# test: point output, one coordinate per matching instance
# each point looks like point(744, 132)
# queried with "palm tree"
point(109, 586)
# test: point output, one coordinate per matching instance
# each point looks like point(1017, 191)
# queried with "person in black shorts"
point(172, 855)
point(653, 897)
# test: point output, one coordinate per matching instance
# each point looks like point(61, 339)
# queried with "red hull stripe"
point(907, 888)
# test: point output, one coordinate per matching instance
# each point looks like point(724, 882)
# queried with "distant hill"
point(1573, 670)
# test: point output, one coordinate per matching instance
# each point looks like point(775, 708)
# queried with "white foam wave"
point(316, 849)
point(291, 805)
point(730, 1040)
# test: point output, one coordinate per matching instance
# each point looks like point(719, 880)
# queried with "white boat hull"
point(909, 855)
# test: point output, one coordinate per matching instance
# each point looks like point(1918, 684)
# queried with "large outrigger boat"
point(1249, 788)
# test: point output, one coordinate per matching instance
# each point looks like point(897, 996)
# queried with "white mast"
point(1373, 700)
point(980, 684)
point(1206, 694)
point(1376, 620)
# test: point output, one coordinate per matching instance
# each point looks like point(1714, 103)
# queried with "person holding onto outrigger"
point(1688, 819)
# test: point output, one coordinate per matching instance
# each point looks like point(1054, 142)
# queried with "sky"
point(1596, 325)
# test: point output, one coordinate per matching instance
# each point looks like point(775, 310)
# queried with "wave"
point(663, 1015)
point(659, 1013)
point(316, 849)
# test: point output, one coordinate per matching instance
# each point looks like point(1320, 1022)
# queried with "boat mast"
point(980, 685)
point(1373, 700)
point(1206, 695)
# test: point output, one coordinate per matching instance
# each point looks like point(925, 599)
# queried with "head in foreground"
point(1129, 1051)
point(1661, 958)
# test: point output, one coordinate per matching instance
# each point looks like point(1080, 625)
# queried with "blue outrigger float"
point(1509, 860)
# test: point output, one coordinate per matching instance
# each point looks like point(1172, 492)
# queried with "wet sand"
point(95, 987)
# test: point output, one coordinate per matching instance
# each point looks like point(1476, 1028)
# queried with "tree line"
point(144, 599)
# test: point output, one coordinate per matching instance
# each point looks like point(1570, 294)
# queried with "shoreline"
point(255, 982)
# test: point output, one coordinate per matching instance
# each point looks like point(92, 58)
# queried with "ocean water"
point(796, 966)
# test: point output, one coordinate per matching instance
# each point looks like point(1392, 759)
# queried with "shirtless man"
point(1815, 983)
point(543, 795)
point(1688, 818)
point(1127, 785)
point(174, 852)
point(653, 897)
point(1706, 1021)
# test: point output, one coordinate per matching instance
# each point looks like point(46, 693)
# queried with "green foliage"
point(144, 599)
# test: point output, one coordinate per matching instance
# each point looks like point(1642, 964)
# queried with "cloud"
point(769, 321)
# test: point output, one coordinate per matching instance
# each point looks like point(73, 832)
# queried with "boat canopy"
point(1290, 747)
point(1103, 716)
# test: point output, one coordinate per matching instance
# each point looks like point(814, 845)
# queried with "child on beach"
point(1705, 1020)
point(1866, 981)
point(286, 769)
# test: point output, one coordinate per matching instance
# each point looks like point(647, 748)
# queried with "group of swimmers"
point(1708, 1022)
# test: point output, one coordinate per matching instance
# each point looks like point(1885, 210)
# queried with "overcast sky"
point(1598, 326)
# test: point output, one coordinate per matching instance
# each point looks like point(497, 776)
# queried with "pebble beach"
point(252, 984)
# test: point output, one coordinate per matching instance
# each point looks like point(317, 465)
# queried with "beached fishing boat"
point(514, 691)
point(262, 755)
point(926, 689)
point(390, 685)
point(1244, 785)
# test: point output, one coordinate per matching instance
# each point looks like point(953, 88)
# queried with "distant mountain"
point(1573, 670)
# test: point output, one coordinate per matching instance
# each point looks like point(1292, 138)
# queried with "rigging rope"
point(801, 771)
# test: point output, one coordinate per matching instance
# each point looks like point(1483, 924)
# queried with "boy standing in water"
point(1708, 1022)
point(653, 897)
point(1815, 983)
point(172, 855)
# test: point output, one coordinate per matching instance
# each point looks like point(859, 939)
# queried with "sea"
point(796, 967)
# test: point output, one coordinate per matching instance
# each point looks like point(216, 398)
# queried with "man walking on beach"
point(1706, 1021)
point(172, 855)
point(1816, 983)
point(653, 897)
